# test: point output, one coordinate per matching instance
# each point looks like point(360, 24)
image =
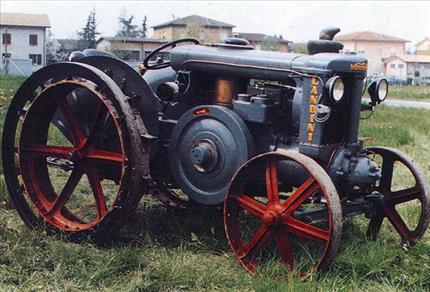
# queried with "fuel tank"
point(242, 62)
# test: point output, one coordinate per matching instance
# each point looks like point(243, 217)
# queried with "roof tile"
point(368, 36)
point(200, 20)
point(24, 19)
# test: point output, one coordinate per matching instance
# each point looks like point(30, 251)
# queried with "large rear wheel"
point(73, 169)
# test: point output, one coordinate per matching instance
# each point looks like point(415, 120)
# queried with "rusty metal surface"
point(420, 192)
point(135, 153)
point(224, 91)
point(276, 216)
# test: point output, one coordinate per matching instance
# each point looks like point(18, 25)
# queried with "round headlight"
point(336, 88)
point(382, 90)
point(378, 90)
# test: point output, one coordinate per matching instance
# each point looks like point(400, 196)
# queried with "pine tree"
point(127, 28)
point(87, 35)
point(144, 29)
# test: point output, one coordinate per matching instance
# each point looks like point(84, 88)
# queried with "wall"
point(207, 34)
point(164, 33)
point(20, 47)
point(424, 48)
point(396, 68)
point(374, 51)
point(423, 68)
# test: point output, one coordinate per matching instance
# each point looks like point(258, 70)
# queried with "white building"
point(402, 67)
point(23, 37)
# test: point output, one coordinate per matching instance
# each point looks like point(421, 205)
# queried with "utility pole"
point(6, 65)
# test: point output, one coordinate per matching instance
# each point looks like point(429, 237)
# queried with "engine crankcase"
point(208, 145)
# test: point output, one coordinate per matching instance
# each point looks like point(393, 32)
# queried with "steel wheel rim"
point(330, 238)
point(420, 191)
point(33, 165)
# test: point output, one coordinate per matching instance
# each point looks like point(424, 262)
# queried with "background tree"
point(54, 53)
point(143, 32)
point(300, 48)
point(127, 28)
point(270, 43)
point(87, 35)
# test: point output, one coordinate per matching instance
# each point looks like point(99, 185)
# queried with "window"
point(379, 52)
point(400, 66)
point(7, 38)
point(426, 66)
point(361, 50)
point(33, 40)
point(36, 59)
point(392, 65)
point(393, 51)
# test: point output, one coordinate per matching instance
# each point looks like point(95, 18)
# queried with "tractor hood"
point(245, 62)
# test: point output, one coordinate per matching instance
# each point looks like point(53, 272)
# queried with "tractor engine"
point(229, 102)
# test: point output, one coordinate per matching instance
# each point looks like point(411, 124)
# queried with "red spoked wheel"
point(406, 193)
point(265, 212)
point(78, 163)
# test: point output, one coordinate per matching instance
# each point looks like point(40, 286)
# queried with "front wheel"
point(406, 193)
point(264, 213)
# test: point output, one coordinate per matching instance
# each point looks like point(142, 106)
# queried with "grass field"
point(418, 93)
point(166, 250)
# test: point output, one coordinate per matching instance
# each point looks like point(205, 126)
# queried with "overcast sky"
point(296, 21)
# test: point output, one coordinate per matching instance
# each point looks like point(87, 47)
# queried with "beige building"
point(264, 42)
point(404, 67)
point(423, 47)
point(374, 46)
point(202, 28)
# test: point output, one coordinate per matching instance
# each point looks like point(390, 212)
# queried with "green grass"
point(418, 93)
point(167, 250)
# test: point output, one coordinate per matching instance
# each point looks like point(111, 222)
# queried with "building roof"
point(425, 39)
point(130, 40)
point(368, 36)
point(200, 20)
point(24, 19)
point(259, 37)
point(409, 58)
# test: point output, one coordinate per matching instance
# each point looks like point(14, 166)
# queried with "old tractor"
point(271, 137)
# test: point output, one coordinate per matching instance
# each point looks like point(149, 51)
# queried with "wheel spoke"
point(48, 151)
point(67, 191)
point(309, 187)
point(283, 244)
point(272, 183)
point(398, 223)
point(402, 196)
point(97, 127)
point(387, 174)
point(105, 156)
point(252, 206)
point(256, 243)
point(307, 231)
point(78, 135)
point(97, 191)
point(375, 224)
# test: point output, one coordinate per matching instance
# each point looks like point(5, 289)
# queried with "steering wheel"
point(157, 50)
